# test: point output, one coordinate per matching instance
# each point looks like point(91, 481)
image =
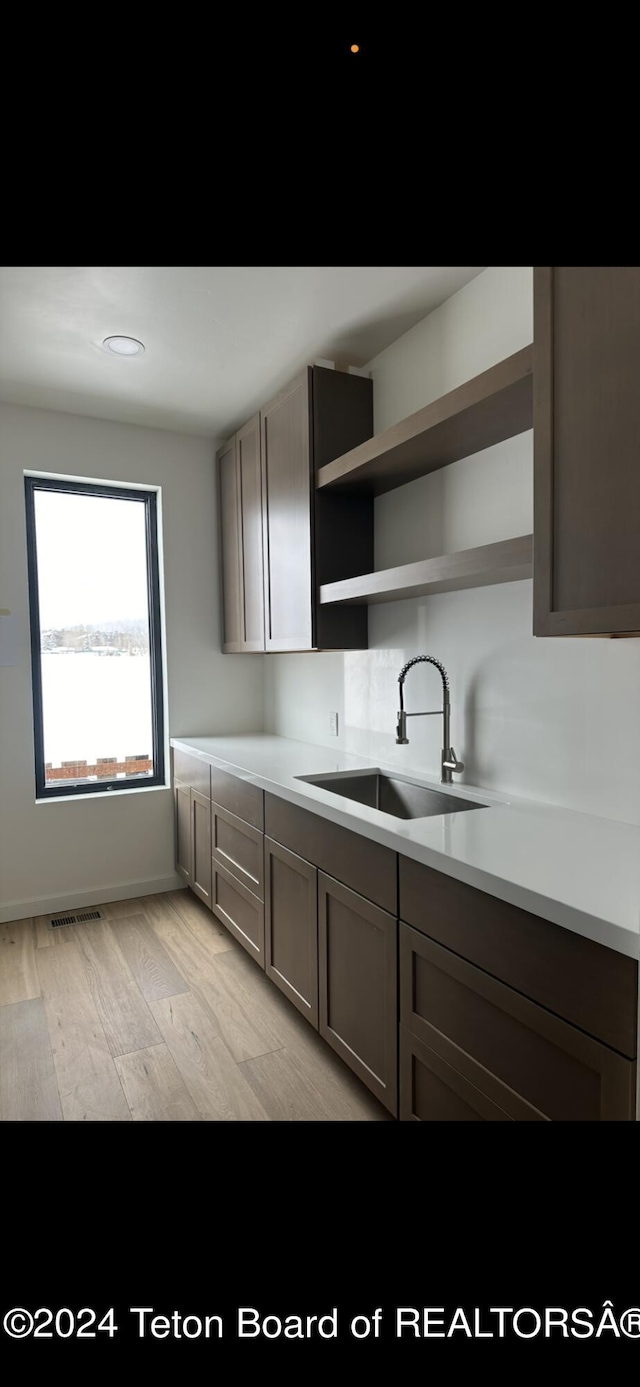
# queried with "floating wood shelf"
point(493, 406)
point(505, 562)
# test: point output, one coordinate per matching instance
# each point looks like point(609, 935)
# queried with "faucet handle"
point(450, 761)
point(401, 730)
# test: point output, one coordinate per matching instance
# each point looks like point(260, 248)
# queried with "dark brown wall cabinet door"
point(201, 846)
point(182, 805)
point(230, 552)
point(239, 910)
point(587, 450)
point(287, 517)
point(240, 509)
point(250, 511)
point(358, 986)
point(528, 1062)
point(292, 927)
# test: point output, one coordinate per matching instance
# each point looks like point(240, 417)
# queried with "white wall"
point(55, 855)
point(554, 720)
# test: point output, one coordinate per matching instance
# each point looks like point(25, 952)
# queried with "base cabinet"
point(486, 1047)
point(292, 927)
point(358, 984)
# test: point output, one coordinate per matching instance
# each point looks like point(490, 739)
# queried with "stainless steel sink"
point(395, 795)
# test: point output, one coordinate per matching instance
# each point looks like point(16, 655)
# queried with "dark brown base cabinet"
point(358, 986)
point(503, 1016)
point(486, 1047)
point(292, 927)
point(506, 1016)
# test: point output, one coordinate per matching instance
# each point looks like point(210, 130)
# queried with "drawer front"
point(366, 867)
point(192, 771)
point(587, 984)
point(433, 1091)
point(239, 847)
point(241, 798)
point(292, 928)
point(358, 986)
point(239, 910)
point(526, 1060)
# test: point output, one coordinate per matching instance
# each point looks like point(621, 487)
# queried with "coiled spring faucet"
point(449, 761)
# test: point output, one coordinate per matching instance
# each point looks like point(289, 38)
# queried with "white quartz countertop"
point(579, 871)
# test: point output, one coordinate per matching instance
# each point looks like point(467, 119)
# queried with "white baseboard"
point(79, 900)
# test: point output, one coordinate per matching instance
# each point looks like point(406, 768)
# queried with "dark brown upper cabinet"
point(287, 517)
point(240, 511)
point(586, 569)
point(229, 540)
point(279, 539)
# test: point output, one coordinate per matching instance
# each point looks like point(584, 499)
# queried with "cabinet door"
point(201, 846)
point(230, 551)
point(586, 448)
point(529, 1063)
point(250, 510)
point(287, 517)
point(291, 927)
point(358, 985)
point(182, 807)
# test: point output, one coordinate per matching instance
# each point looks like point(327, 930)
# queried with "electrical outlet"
point(333, 724)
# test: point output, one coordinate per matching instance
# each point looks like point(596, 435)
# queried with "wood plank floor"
point(156, 1014)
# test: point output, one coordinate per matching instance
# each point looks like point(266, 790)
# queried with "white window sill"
point(101, 794)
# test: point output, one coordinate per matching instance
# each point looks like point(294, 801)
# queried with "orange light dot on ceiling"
point(355, 48)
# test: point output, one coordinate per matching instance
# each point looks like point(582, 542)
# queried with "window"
point(94, 592)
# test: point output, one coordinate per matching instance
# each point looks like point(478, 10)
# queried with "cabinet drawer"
point(366, 867)
point(593, 987)
point(239, 847)
point(241, 798)
point(432, 1091)
point(526, 1060)
point(192, 771)
point(239, 910)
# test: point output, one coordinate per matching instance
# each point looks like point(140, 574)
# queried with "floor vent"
point(80, 918)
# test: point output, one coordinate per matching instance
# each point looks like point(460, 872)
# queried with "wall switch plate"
point(333, 724)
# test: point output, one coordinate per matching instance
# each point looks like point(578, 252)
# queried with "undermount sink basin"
point(395, 795)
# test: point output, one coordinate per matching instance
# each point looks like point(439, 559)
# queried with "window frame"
point(149, 498)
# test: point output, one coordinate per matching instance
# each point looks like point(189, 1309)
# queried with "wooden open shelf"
point(505, 562)
point(493, 406)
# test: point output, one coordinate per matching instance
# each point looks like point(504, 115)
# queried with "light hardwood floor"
point(156, 1014)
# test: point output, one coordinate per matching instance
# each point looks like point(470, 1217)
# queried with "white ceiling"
point(219, 340)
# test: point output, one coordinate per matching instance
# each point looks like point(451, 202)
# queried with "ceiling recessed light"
point(123, 346)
